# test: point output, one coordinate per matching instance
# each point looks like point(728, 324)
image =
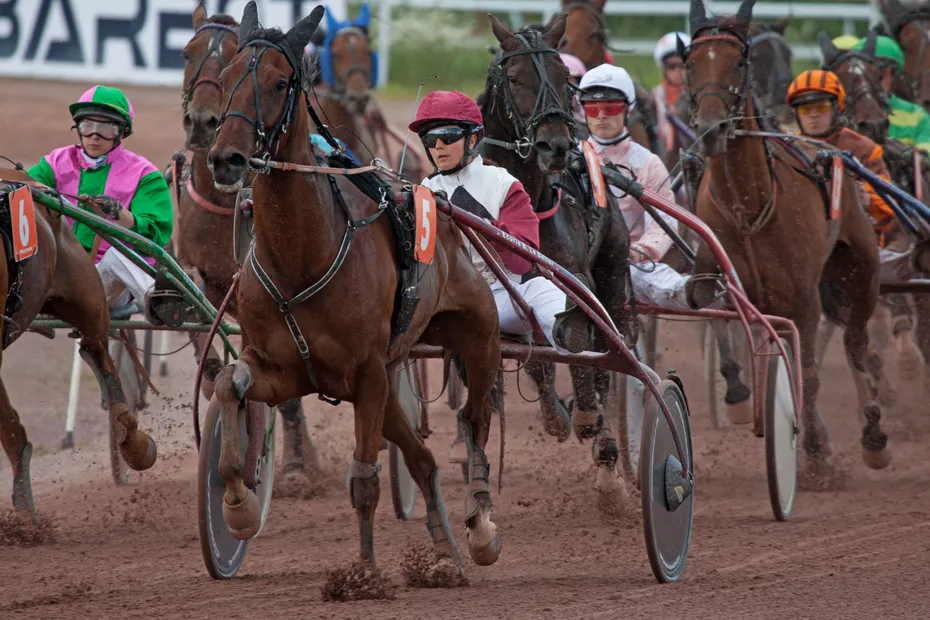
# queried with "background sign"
point(119, 41)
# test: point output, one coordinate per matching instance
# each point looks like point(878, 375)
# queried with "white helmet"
point(607, 77)
point(668, 45)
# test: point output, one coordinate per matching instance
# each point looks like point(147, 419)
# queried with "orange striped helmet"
point(815, 84)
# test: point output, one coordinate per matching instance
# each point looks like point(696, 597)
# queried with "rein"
point(215, 48)
point(205, 204)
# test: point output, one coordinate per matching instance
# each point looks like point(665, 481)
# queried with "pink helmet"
point(576, 68)
point(446, 105)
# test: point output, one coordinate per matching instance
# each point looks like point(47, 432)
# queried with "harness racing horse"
point(204, 242)
point(585, 37)
point(770, 58)
point(527, 117)
point(910, 26)
point(867, 111)
point(771, 218)
point(341, 344)
point(58, 279)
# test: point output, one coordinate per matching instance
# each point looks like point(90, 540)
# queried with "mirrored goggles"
point(594, 109)
point(449, 135)
point(815, 107)
point(105, 129)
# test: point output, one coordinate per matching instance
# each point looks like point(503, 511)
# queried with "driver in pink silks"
point(607, 94)
point(450, 127)
point(576, 71)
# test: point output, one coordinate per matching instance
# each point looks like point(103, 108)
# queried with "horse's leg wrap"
point(484, 543)
point(364, 492)
point(479, 471)
point(22, 482)
point(437, 522)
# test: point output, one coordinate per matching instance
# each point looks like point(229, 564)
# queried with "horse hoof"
point(740, 413)
point(458, 453)
point(245, 518)
point(559, 424)
point(876, 459)
point(484, 544)
point(138, 450)
point(586, 424)
point(613, 498)
point(909, 362)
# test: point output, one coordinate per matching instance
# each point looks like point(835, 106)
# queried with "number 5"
point(424, 237)
point(24, 232)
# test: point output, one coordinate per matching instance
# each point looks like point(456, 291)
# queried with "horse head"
point(205, 56)
point(528, 87)
point(348, 63)
point(911, 28)
point(770, 58)
point(585, 34)
point(262, 92)
point(860, 73)
point(717, 72)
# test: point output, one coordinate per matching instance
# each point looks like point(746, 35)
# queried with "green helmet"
point(104, 101)
point(886, 48)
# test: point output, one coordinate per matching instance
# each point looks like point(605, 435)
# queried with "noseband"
point(733, 96)
point(267, 139)
point(861, 86)
point(215, 48)
point(548, 104)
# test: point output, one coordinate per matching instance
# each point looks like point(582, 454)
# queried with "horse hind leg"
point(212, 366)
point(555, 413)
point(300, 457)
point(910, 360)
point(19, 451)
point(739, 408)
point(875, 452)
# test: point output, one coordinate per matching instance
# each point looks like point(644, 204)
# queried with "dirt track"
point(133, 552)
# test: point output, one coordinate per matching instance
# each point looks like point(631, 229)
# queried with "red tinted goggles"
point(607, 108)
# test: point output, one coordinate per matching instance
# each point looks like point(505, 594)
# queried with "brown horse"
point(586, 38)
point(60, 279)
point(204, 240)
point(910, 26)
point(304, 228)
point(770, 216)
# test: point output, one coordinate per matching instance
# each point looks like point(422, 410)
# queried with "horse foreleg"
point(902, 328)
point(875, 452)
point(922, 310)
point(556, 418)
point(19, 451)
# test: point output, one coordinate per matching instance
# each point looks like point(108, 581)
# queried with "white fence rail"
point(850, 13)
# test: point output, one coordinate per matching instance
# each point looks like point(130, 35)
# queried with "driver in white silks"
point(608, 95)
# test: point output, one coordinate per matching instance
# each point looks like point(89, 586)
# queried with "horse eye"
point(282, 84)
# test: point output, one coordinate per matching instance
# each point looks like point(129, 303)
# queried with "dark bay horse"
point(526, 98)
point(304, 230)
point(770, 216)
point(204, 240)
point(59, 279)
point(910, 26)
point(586, 38)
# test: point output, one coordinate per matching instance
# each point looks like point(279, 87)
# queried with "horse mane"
point(223, 19)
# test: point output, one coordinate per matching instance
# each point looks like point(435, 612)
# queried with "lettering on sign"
point(23, 217)
point(425, 202)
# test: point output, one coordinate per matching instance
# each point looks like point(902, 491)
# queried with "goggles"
point(449, 135)
point(814, 107)
point(593, 109)
point(105, 129)
point(674, 64)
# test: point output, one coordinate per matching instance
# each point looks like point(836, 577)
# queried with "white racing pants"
point(122, 280)
point(661, 286)
point(895, 266)
point(541, 295)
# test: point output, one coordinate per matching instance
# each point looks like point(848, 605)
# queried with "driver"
point(114, 183)
point(668, 59)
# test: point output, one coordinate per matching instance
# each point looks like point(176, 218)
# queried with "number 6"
point(24, 232)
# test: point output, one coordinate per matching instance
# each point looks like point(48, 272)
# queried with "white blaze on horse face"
point(710, 54)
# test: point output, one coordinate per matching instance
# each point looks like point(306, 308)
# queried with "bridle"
point(340, 80)
point(548, 105)
point(601, 25)
point(919, 15)
point(777, 43)
point(266, 139)
point(215, 48)
point(861, 86)
point(733, 96)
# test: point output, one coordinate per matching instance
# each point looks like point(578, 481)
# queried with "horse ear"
point(744, 14)
point(199, 16)
point(781, 26)
point(556, 31)
point(698, 15)
point(500, 30)
point(597, 5)
point(827, 48)
point(332, 25)
point(298, 36)
point(893, 11)
point(249, 20)
point(363, 19)
point(682, 48)
point(870, 41)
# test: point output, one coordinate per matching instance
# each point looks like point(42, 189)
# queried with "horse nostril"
point(187, 121)
point(236, 160)
point(544, 148)
point(211, 123)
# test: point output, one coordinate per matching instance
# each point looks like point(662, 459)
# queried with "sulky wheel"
point(403, 486)
point(629, 395)
point(667, 494)
point(781, 435)
point(134, 390)
point(222, 553)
